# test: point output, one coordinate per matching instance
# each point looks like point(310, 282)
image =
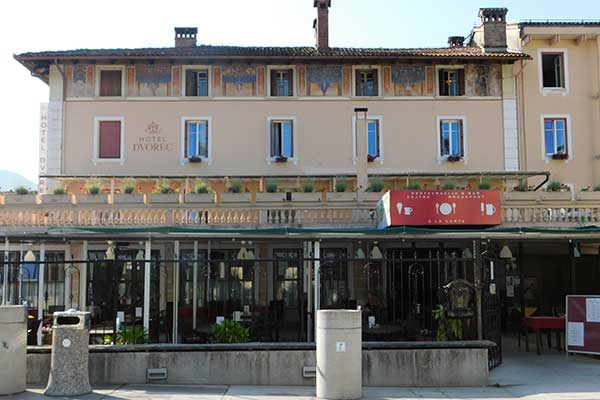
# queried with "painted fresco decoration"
point(410, 75)
point(482, 77)
point(79, 80)
point(153, 77)
point(483, 80)
point(324, 76)
point(239, 74)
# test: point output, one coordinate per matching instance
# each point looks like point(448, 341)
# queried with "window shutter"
point(274, 83)
point(290, 82)
point(377, 134)
point(375, 83)
point(358, 83)
point(461, 83)
point(442, 78)
point(190, 83)
point(110, 83)
point(462, 138)
point(109, 140)
point(441, 133)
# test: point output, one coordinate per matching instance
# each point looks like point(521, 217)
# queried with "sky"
point(37, 25)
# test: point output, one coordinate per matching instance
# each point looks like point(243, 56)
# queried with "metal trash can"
point(69, 375)
point(339, 354)
point(13, 349)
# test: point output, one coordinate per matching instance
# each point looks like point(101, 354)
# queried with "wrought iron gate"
point(491, 308)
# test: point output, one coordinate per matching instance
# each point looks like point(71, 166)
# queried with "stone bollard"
point(339, 354)
point(13, 349)
point(69, 375)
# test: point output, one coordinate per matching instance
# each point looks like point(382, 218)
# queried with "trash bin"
point(13, 349)
point(69, 374)
point(339, 354)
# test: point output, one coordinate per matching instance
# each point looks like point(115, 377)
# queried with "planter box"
point(92, 199)
point(341, 196)
point(521, 196)
point(236, 197)
point(13, 198)
point(557, 196)
point(271, 197)
point(370, 196)
point(199, 197)
point(588, 196)
point(128, 198)
point(308, 197)
point(167, 198)
point(56, 199)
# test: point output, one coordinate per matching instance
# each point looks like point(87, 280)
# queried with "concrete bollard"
point(69, 372)
point(339, 354)
point(13, 349)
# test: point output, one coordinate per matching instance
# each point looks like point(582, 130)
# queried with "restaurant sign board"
point(439, 208)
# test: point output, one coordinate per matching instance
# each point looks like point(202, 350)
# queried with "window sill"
point(554, 91)
point(108, 161)
point(205, 161)
point(272, 160)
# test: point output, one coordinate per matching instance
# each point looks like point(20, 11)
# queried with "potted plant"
point(560, 156)
point(521, 192)
point(271, 195)
point(230, 332)
point(307, 193)
point(195, 159)
point(128, 195)
point(371, 158)
point(58, 196)
point(235, 194)
point(47, 330)
point(413, 186)
point(202, 194)
point(453, 158)
point(449, 186)
point(589, 195)
point(93, 196)
point(484, 186)
point(164, 194)
point(280, 159)
point(556, 191)
point(21, 195)
point(373, 192)
point(340, 193)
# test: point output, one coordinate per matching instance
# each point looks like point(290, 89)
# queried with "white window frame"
point(438, 134)
point(96, 142)
point(553, 91)
point(379, 81)
point(294, 80)
point(566, 117)
point(184, 120)
point(379, 119)
point(100, 68)
point(184, 69)
point(437, 80)
point(295, 135)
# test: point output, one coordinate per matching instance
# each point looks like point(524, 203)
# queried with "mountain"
point(11, 180)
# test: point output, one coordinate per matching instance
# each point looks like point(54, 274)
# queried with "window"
point(553, 70)
point(374, 138)
point(109, 138)
point(366, 82)
point(196, 139)
point(451, 82)
point(196, 82)
point(555, 138)
point(451, 136)
point(111, 83)
point(282, 82)
point(282, 139)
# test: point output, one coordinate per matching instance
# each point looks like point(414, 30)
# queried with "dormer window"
point(367, 84)
point(196, 82)
point(282, 82)
point(451, 81)
point(111, 82)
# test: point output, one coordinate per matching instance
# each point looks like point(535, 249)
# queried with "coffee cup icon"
point(408, 210)
point(490, 209)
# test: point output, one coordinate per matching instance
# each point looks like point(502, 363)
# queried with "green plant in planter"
point(449, 186)
point(340, 186)
point(132, 335)
point(230, 332)
point(597, 188)
point(59, 191)
point(308, 188)
point(448, 328)
point(94, 189)
point(413, 186)
point(271, 187)
point(376, 186)
point(236, 187)
point(21, 190)
point(128, 189)
point(484, 186)
point(554, 186)
point(201, 188)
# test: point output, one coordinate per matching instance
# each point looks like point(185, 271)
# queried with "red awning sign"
point(439, 207)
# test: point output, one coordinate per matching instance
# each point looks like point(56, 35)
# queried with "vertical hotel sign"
point(43, 160)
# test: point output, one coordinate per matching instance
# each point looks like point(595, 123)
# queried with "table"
point(538, 324)
point(381, 332)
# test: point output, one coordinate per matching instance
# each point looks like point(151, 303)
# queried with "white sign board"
point(340, 347)
point(592, 309)
point(575, 333)
point(43, 157)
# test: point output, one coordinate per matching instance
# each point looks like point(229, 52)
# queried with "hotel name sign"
point(153, 140)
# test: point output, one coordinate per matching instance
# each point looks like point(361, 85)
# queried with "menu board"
point(583, 324)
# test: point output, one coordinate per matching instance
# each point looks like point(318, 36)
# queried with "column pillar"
point(68, 277)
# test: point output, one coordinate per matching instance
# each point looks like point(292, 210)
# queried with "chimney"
point(321, 24)
point(456, 41)
point(185, 37)
point(493, 23)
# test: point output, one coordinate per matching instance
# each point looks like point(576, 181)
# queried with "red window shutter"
point(190, 83)
point(109, 139)
point(274, 83)
point(358, 83)
point(461, 82)
point(291, 82)
point(443, 86)
point(110, 83)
